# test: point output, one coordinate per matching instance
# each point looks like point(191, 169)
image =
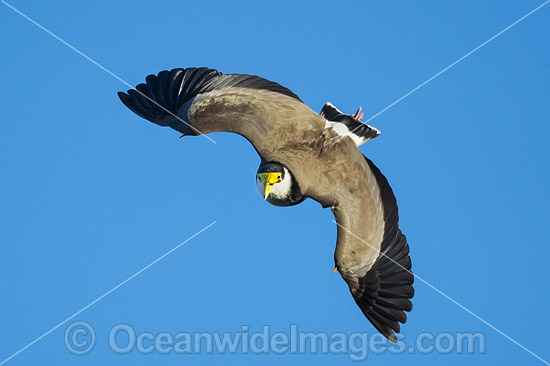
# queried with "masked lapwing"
point(303, 155)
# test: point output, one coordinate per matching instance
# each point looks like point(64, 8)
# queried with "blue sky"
point(90, 193)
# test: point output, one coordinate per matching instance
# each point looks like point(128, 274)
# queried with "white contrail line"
point(456, 62)
point(107, 293)
point(449, 298)
point(100, 66)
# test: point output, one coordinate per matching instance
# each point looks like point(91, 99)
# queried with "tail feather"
point(347, 125)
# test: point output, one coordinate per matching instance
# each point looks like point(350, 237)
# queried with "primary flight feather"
point(303, 154)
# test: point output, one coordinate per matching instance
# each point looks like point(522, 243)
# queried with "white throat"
point(282, 190)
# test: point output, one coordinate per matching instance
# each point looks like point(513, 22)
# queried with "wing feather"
point(201, 100)
point(376, 267)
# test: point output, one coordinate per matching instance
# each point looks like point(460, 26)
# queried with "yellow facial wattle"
point(268, 180)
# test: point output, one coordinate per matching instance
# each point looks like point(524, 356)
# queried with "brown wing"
point(199, 101)
point(372, 254)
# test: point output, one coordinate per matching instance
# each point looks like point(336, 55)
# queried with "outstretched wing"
point(372, 254)
point(196, 101)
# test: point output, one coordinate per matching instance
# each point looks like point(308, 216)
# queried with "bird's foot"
point(358, 115)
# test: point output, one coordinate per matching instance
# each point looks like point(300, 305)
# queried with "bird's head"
point(274, 182)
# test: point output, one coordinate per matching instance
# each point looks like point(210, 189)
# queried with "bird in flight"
point(303, 155)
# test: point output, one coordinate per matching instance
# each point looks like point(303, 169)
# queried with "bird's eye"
point(279, 177)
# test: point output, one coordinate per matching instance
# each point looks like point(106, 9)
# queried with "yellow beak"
point(268, 180)
point(267, 190)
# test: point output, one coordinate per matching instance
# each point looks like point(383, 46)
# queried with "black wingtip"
point(160, 98)
point(131, 102)
point(387, 288)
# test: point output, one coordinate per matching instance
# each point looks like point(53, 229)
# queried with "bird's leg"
point(358, 115)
